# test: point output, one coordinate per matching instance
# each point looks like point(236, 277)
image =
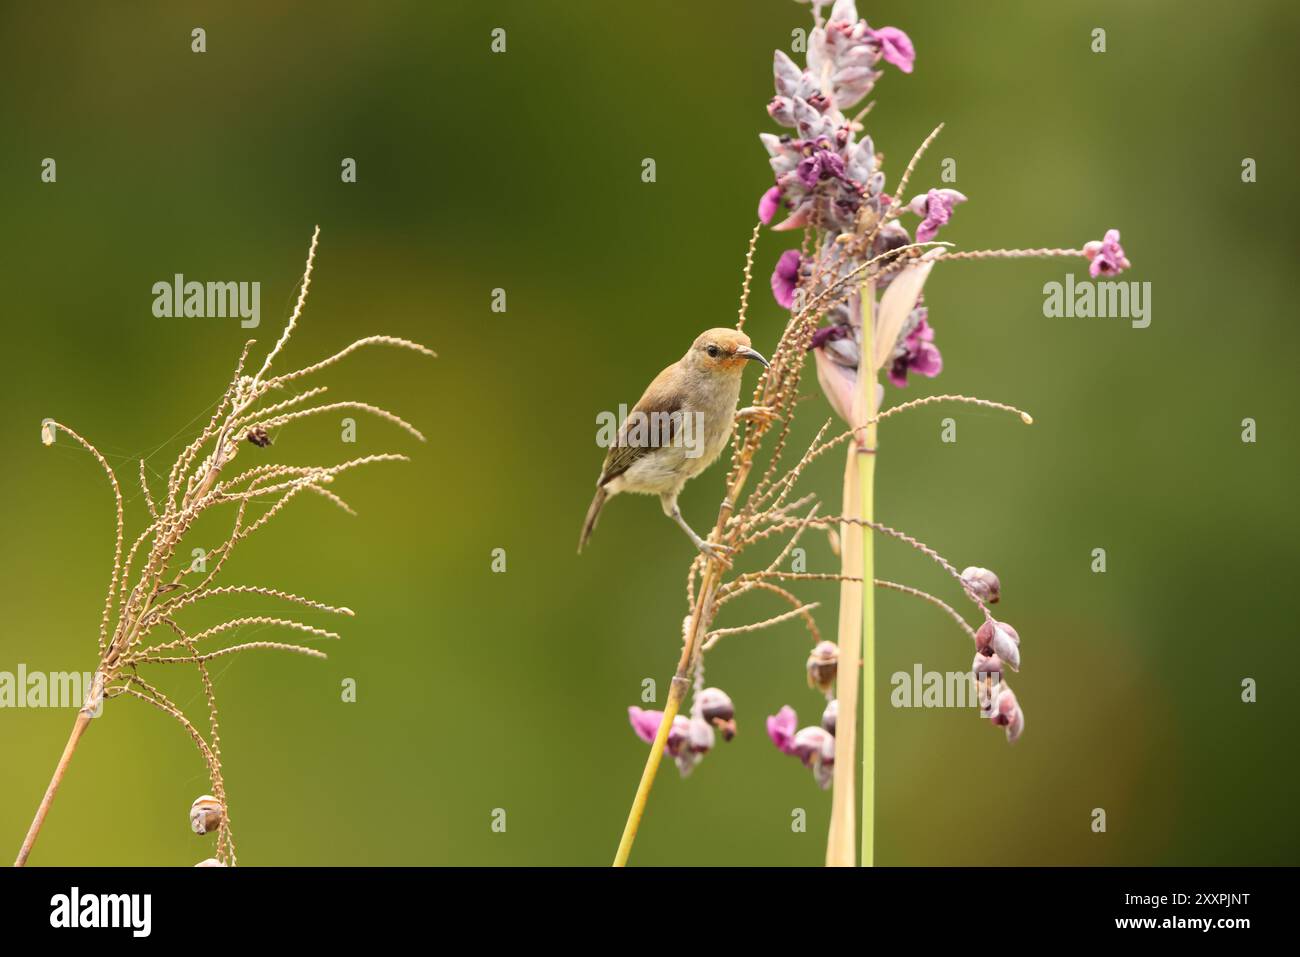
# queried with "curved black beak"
point(745, 352)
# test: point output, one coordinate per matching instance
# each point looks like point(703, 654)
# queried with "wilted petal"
point(785, 277)
point(769, 204)
point(645, 723)
point(781, 729)
point(838, 382)
point(896, 47)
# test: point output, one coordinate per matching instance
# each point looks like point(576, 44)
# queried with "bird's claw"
point(761, 413)
point(717, 552)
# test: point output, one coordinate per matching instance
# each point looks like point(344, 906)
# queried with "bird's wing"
point(661, 399)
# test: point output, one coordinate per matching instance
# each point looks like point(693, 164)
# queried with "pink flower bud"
point(983, 583)
point(716, 708)
point(679, 735)
point(999, 638)
point(1007, 713)
point(831, 715)
point(815, 747)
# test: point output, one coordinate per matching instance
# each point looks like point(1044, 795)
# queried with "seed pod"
point(822, 666)
point(205, 814)
point(983, 583)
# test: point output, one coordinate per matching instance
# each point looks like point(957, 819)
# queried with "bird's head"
point(722, 351)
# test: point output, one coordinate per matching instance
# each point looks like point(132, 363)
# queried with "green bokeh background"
point(522, 171)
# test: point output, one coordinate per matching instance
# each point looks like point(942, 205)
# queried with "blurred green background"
point(521, 171)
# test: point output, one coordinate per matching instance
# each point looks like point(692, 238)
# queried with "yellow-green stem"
point(866, 408)
point(866, 487)
point(675, 695)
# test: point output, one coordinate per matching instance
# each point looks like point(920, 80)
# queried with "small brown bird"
point(678, 428)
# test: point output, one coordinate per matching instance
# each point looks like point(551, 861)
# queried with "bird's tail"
point(593, 513)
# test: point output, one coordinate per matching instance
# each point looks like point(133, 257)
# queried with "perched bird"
point(678, 428)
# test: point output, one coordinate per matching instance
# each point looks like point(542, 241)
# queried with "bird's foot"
point(759, 413)
point(715, 551)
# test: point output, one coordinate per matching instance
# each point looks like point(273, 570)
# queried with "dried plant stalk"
point(163, 587)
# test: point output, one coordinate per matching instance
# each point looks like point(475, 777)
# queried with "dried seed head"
point(822, 666)
point(205, 814)
point(714, 706)
point(831, 714)
point(983, 583)
point(999, 638)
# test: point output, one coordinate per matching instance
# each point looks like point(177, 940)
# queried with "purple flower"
point(1107, 256)
point(919, 354)
point(645, 723)
point(785, 277)
point(769, 204)
point(822, 164)
point(781, 729)
point(936, 206)
point(896, 47)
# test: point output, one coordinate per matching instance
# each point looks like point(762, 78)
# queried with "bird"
point(678, 428)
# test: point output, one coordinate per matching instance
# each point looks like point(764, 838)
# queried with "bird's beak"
point(744, 352)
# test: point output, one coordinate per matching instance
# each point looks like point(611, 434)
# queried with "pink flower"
point(936, 206)
point(983, 583)
point(769, 204)
point(896, 47)
point(786, 277)
point(815, 747)
point(1007, 713)
point(1107, 257)
point(781, 729)
point(645, 723)
point(999, 638)
point(920, 354)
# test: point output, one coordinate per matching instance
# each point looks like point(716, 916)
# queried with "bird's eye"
point(712, 351)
